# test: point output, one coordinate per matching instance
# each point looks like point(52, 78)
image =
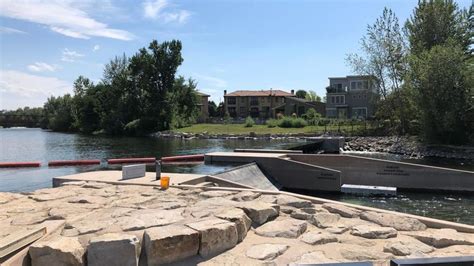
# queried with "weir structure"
point(329, 172)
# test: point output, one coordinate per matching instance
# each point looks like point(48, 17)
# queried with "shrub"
point(272, 123)
point(249, 122)
point(288, 122)
point(285, 122)
point(280, 116)
point(312, 116)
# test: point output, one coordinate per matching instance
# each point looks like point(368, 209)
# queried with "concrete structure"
point(327, 172)
point(267, 104)
point(249, 175)
point(133, 171)
point(204, 106)
point(351, 97)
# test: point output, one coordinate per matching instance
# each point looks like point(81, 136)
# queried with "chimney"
point(225, 92)
point(292, 91)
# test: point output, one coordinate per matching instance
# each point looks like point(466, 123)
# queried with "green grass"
point(263, 129)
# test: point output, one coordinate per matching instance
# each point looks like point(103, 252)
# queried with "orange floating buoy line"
point(132, 160)
point(19, 164)
point(73, 162)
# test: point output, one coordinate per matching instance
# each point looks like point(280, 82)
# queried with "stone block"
point(289, 228)
point(324, 220)
point(241, 220)
point(170, 244)
point(217, 235)
point(57, 252)
point(259, 212)
point(113, 249)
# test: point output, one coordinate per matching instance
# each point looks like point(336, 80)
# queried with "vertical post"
point(158, 169)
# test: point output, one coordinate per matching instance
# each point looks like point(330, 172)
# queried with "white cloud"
point(70, 55)
point(95, 48)
point(42, 67)
point(155, 9)
point(10, 30)
point(63, 17)
point(22, 89)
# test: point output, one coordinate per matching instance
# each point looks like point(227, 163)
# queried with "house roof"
point(202, 94)
point(259, 93)
point(353, 76)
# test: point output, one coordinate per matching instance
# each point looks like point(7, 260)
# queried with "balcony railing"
point(330, 89)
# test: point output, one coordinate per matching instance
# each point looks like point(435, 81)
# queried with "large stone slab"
point(443, 237)
point(318, 238)
point(113, 249)
point(169, 244)
point(57, 252)
point(405, 248)
point(398, 222)
point(245, 196)
point(324, 220)
point(287, 200)
point(373, 231)
point(217, 235)
point(241, 220)
point(216, 193)
point(314, 258)
point(360, 253)
point(259, 212)
point(289, 228)
point(266, 251)
point(342, 210)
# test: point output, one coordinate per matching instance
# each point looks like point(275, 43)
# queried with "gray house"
point(351, 97)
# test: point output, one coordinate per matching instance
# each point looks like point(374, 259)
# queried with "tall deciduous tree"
point(441, 65)
point(312, 96)
point(301, 94)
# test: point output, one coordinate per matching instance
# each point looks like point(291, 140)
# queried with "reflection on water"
point(39, 145)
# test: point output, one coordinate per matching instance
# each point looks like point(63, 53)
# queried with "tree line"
point(137, 95)
point(424, 70)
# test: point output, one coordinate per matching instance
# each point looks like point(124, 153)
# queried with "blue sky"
point(227, 44)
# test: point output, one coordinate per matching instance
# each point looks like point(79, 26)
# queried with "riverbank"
point(104, 224)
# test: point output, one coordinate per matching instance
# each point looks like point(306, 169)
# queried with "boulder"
point(216, 193)
point(287, 200)
point(57, 252)
point(241, 220)
point(373, 231)
point(300, 215)
point(405, 248)
point(113, 249)
point(289, 228)
point(398, 222)
point(266, 251)
point(342, 210)
point(170, 244)
point(259, 212)
point(318, 238)
point(324, 220)
point(216, 236)
point(441, 238)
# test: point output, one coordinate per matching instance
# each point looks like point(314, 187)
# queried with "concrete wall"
point(249, 175)
point(367, 171)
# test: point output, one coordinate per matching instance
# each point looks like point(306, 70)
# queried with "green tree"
point(58, 112)
point(86, 117)
point(312, 96)
point(301, 94)
point(185, 100)
point(212, 109)
point(312, 116)
point(440, 36)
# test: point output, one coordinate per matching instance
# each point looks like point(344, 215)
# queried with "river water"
point(20, 144)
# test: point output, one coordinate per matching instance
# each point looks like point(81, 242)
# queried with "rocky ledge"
point(127, 225)
point(408, 146)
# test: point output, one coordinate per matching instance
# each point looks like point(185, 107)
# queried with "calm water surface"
point(39, 145)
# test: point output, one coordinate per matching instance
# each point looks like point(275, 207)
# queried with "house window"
point(232, 111)
point(242, 99)
point(339, 99)
point(253, 101)
point(333, 99)
point(231, 100)
point(242, 111)
point(254, 112)
point(360, 85)
point(359, 112)
point(331, 112)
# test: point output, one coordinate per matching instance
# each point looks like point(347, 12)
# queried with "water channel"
point(20, 144)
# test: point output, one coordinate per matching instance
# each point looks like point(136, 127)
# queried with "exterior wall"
point(204, 109)
point(258, 106)
point(351, 101)
point(300, 107)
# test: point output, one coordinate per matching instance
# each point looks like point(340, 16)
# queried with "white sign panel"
point(133, 171)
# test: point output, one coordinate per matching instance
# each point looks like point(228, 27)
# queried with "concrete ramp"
point(249, 175)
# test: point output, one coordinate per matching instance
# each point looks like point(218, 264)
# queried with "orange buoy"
point(132, 160)
point(73, 162)
point(19, 164)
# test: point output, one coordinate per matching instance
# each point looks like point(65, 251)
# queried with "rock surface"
point(286, 200)
point(443, 238)
point(216, 236)
point(392, 220)
point(405, 248)
point(266, 251)
point(170, 243)
point(318, 238)
point(241, 220)
point(259, 212)
point(59, 251)
point(341, 210)
point(288, 228)
point(324, 220)
point(113, 249)
point(373, 232)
